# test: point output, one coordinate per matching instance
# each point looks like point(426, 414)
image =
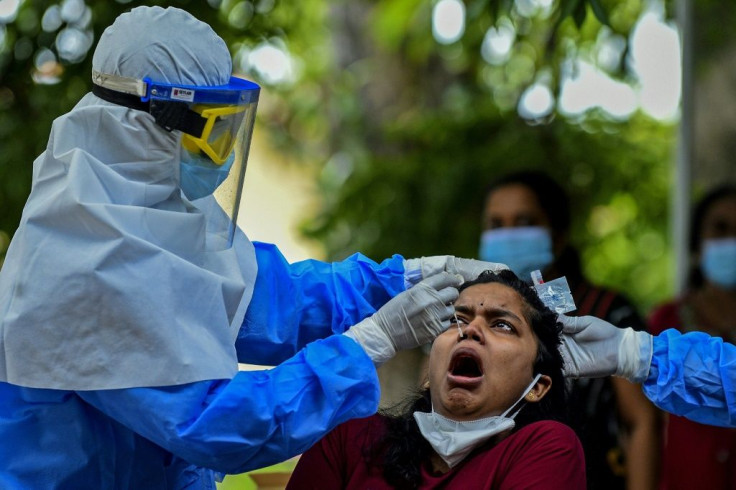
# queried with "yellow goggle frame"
point(219, 134)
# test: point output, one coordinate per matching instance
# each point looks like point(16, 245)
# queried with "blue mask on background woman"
point(199, 177)
point(524, 249)
point(718, 262)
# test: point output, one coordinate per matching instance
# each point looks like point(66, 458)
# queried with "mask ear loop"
point(521, 402)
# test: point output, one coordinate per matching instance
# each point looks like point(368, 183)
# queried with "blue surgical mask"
point(199, 177)
point(718, 262)
point(524, 249)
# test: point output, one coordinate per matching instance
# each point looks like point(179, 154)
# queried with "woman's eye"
point(507, 327)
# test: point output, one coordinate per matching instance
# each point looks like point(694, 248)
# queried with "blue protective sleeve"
point(256, 419)
point(294, 304)
point(694, 375)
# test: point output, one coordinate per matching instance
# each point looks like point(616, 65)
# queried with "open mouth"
point(466, 364)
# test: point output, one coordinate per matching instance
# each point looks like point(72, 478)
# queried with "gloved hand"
point(593, 348)
point(410, 319)
point(417, 269)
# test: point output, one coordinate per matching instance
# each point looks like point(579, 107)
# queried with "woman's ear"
point(540, 389)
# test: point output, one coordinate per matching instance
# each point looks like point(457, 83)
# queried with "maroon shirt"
point(542, 455)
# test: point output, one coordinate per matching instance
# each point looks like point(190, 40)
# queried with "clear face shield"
point(216, 124)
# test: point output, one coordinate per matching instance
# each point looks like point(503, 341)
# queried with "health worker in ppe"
point(691, 374)
point(128, 294)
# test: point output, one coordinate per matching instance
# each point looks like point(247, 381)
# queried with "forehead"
point(492, 296)
point(513, 198)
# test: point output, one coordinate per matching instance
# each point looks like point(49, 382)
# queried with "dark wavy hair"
point(402, 449)
point(551, 196)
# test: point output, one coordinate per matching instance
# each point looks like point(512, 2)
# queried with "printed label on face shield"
point(184, 94)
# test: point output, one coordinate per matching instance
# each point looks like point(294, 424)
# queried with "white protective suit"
point(106, 239)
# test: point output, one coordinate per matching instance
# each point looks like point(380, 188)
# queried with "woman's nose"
point(474, 331)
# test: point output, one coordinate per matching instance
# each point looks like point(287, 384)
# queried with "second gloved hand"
point(416, 270)
point(410, 319)
point(594, 348)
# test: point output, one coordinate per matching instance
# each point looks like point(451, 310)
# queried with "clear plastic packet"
point(555, 294)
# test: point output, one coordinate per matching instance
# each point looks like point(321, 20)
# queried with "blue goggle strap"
point(169, 104)
point(238, 91)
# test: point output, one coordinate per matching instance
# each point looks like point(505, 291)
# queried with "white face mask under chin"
point(454, 440)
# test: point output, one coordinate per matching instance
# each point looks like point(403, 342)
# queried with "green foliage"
point(403, 132)
point(412, 131)
point(428, 199)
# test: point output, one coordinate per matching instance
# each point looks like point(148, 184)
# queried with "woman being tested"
point(489, 416)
